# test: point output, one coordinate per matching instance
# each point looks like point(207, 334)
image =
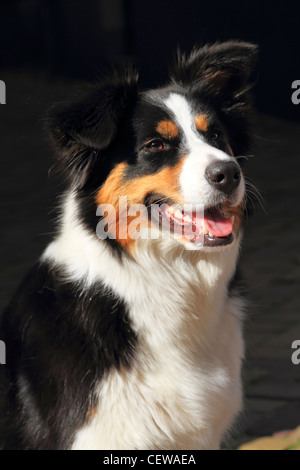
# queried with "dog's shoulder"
point(52, 373)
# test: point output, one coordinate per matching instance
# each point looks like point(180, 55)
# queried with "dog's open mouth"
point(210, 226)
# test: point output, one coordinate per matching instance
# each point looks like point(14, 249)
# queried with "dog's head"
point(162, 161)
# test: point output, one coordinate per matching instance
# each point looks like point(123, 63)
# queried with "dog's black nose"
point(224, 176)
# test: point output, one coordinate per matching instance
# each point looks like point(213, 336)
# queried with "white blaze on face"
point(195, 187)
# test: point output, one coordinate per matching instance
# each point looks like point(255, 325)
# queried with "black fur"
point(60, 340)
point(81, 131)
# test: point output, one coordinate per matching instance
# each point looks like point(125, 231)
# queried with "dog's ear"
point(223, 73)
point(80, 131)
point(224, 69)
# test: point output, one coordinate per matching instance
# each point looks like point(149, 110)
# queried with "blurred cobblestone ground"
point(270, 257)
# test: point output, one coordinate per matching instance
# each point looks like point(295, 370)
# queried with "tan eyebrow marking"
point(167, 129)
point(201, 122)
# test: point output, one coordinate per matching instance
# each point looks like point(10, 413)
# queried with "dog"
point(135, 341)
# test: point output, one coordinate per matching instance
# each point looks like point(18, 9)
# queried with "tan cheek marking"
point(201, 122)
point(167, 129)
point(165, 182)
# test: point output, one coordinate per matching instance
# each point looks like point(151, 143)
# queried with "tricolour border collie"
point(134, 342)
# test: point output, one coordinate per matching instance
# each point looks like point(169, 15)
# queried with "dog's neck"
point(159, 275)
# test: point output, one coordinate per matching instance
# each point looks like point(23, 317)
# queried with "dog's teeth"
point(205, 231)
point(210, 235)
point(178, 214)
point(187, 218)
point(232, 219)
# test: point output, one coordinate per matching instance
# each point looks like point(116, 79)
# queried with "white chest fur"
point(181, 397)
point(183, 389)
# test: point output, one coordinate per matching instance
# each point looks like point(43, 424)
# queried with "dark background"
point(47, 49)
point(75, 37)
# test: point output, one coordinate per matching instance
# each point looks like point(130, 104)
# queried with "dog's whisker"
point(246, 157)
point(252, 189)
point(256, 196)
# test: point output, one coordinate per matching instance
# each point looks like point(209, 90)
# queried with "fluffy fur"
point(136, 343)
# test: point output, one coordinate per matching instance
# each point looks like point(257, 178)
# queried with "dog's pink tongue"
point(216, 223)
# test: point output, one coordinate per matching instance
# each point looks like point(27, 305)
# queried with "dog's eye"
point(216, 134)
point(155, 144)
